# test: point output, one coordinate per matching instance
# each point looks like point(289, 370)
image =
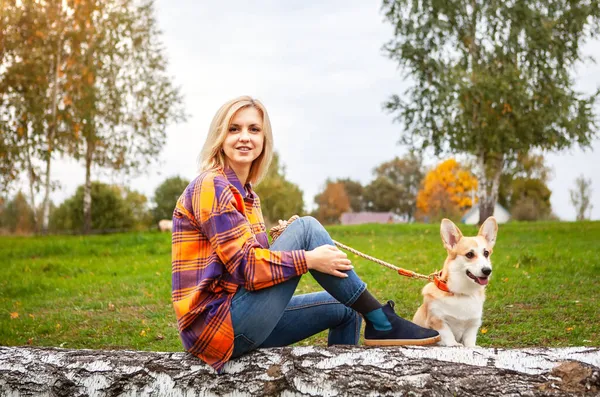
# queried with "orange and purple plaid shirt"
point(220, 244)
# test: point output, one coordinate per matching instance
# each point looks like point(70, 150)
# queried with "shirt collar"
point(245, 191)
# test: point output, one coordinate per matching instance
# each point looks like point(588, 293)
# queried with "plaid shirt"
point(220, 244)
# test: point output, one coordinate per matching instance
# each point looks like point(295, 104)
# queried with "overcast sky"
point(319, 69)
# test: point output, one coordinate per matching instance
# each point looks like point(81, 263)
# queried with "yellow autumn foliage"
point(446, 191)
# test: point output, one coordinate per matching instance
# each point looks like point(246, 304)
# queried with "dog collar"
point(441, 284)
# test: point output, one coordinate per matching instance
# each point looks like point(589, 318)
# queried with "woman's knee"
point(314, 233)
point(310, 222)
point(312, 225)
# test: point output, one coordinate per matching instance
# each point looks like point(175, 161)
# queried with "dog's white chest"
point(461, 308)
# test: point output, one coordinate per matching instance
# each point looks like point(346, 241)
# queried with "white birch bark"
point(304, 371)
point(87, 189)
point(490, 171)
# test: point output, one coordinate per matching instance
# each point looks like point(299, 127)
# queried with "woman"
point(233, 293)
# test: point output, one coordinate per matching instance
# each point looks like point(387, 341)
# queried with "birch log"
point(304, 371)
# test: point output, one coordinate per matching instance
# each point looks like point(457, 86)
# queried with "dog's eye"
point(470, 255)
point(486, 253)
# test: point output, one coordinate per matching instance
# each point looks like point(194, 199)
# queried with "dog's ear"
point(450, 233)
point(489, 230)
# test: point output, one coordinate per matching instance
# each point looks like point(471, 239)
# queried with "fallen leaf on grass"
point(569, 329)
point(14, 315)
point(111, 307)
point(159, 337)
point(484, 330)
point(143, 333)
point(30, 341)
point(31, 316)
point(58, 326)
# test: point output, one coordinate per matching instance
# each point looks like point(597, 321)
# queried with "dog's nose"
point(486, 270)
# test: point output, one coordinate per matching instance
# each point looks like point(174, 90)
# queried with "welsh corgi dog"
point(453, 302)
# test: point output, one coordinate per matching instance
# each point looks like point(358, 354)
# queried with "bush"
point(16, 215)
point(113, 208)
point(530, 200)
point(166, 196)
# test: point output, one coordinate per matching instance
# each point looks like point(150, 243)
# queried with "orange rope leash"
point(276, 231)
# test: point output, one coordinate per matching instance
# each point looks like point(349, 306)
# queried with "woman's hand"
point(329, 260)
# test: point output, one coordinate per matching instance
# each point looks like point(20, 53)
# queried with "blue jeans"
point(273, 317)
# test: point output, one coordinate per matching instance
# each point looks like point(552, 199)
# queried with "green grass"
point(113, 291)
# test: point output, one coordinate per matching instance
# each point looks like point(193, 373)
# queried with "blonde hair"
point(212, 157)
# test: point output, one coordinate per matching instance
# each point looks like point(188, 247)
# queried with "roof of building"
point(475, 210)
point(357, 218)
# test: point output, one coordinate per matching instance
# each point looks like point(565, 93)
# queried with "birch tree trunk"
point(490, 167)
point(87, 190)
point(304, 371)
point(32, 183)
point(51, 136)
point(46, 203)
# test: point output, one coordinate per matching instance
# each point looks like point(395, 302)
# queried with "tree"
point(581, 197)
point(382, 195)
point(22, 82)
point(313, 370)
point(115, 208)
point(9, 157)
point(524, 190)
point(530, 200)
point(525, 166)
point(356, 194)
point(492, 79)
point(30, 85)
point(280, 198)
point(137, 205)
point(332, 202)
point(166, 196)
point(396, 185)
point(18, 216)
point(446, 191)
point(123, 99)
point(87, 78)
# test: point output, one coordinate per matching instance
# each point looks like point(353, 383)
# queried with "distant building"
point(358, 218)
point(472, 216)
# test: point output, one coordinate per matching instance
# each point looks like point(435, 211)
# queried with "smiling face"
point(468, 263)
point(244, 141)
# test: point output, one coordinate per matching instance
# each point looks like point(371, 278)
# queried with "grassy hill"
point(113, 291)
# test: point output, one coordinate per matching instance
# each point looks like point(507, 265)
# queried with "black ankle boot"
point(403, 332)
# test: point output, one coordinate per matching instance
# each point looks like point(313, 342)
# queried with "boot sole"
point(402, 342)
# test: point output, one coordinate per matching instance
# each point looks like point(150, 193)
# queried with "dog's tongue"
point(482, 280)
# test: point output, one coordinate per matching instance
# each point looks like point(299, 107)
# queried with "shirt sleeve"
point(219, 214)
